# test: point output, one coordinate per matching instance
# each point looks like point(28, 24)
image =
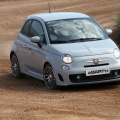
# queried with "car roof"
point(57, 16)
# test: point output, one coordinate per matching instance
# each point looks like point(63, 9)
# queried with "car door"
point(36, 54)
point(23, 49)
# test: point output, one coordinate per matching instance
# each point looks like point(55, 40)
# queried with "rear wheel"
point(15, 67)
point(49, 77)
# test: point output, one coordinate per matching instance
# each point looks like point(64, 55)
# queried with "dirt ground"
point(29, 99)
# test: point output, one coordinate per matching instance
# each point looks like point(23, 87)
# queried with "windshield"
point(74, 30)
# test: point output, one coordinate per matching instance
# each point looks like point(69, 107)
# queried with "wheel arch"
point(12, 52)
point(46, 64)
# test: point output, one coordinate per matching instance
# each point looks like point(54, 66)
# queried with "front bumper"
point(65, 78)
point(65, 81)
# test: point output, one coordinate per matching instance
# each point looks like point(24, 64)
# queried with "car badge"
point(96, 61)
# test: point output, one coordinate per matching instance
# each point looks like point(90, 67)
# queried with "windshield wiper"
point(85, 39)
point(92, 39)
point(73, 41)
point(58, 42)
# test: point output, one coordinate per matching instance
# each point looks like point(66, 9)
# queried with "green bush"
point(116, 32)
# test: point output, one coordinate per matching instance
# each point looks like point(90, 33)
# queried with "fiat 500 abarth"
point(65, 48)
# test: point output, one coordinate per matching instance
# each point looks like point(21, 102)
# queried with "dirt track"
point(29, 99)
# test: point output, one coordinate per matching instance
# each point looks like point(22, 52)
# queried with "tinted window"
point(37, 30)
point(26, 28)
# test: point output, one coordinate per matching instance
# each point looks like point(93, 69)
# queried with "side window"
point(26, 28)
point(37, 30)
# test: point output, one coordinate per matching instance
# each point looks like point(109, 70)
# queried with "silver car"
point(65, 48)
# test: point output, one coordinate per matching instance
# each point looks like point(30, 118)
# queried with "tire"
point(15, 67)
point(49, 78)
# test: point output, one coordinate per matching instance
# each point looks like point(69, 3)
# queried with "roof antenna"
point(49, 7)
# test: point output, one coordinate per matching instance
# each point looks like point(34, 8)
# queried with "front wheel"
point(49, 77)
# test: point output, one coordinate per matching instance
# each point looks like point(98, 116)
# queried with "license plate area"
point(100, 71)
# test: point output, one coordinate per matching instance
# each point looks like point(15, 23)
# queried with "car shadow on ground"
point(91, 87)
point(31, 84)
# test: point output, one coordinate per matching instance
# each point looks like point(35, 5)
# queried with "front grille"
point(84, 78)
point(96, 65)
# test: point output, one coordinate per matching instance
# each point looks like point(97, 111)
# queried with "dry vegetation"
point(29, 99)
point(116, 31)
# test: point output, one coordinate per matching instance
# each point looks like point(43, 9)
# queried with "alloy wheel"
point(49, 77)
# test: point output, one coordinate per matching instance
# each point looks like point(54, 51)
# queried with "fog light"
point(116, 73)
point(78, 77)
point(65, 67)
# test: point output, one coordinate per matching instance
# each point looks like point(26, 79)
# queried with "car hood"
point(84, 48)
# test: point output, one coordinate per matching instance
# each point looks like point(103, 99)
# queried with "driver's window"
point(37, 30)
point(26, 28)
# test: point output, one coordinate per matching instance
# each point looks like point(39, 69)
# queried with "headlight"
point(67, 59)
point(116, 53)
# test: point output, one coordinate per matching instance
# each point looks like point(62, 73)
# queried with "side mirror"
point(108, 31)
point(36, 39)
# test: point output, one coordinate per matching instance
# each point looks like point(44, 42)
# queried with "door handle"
point(24, 45)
